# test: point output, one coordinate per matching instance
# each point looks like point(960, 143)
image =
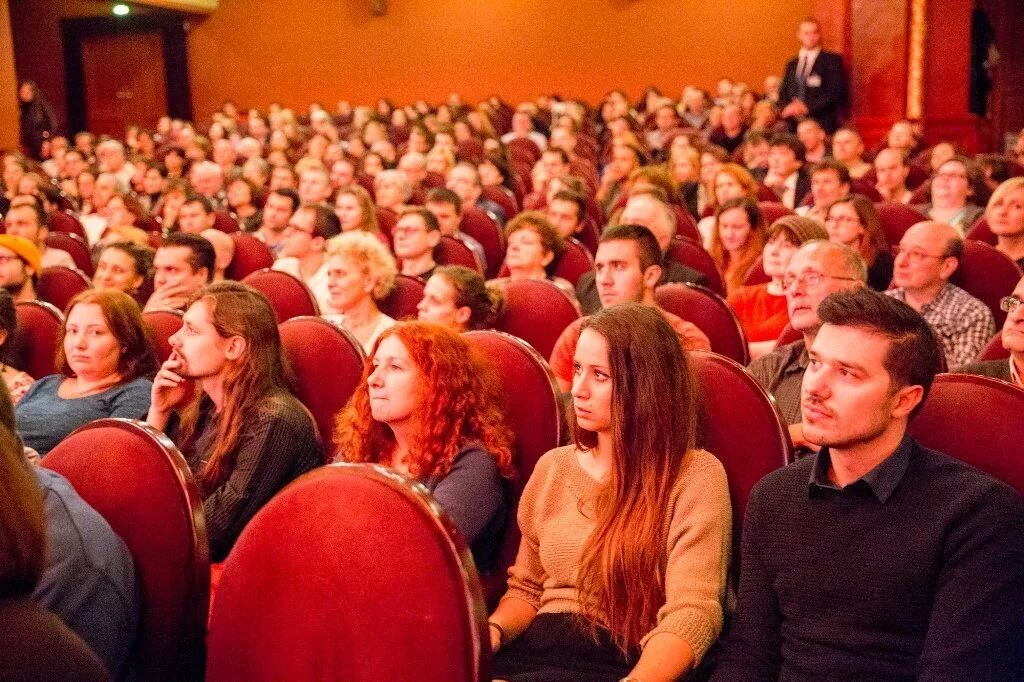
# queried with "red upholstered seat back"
point(504, 198)
point(454, 251)
point(896, 219)
point(787, 336)
point(61, 221)
point(386, 220)
point(995, 449)
point(766, 194)
point(327, 364)
point(710, 313)
point(773, 210)
point(757, 275)
point(349, 573)
point(535, 412)
point(686, 226)
point(288, 295)
point(689, 252)
point(537, 311)
point(981, 232)
point(482, 228)
point(739, 423)
point(223, 221)
point(163, 324)
point(76, 248)
point(35, 343)
point(58, 285)
point(402, 301)
point(994, 350)
point(138, 481)
point(988, 275)
point(523, 149)
point(251, 255)
point(574, 262)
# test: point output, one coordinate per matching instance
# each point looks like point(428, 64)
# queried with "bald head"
point(929, 254)
point(652, 213)
point(223, 247)
point(931, 233)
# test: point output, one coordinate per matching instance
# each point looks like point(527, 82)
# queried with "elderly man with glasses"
point(926, 258)
point(1012, 338)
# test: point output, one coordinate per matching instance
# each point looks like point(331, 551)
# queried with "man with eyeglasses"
point(1012, 338)
point(816, 270)
point(415, 235)
point(926, 258)
point(304, 254)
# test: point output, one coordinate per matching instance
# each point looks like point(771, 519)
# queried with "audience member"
point(628, 267)
point(816, 270)
point(848, 149)
point(196, 215)
point(567, 211)
point(1005, 217)
point(392, 190)
point(243, 199)
point(123, 266)
point(447, 208)
point(105, 356)
point(244, 435)
point(1012, 338)
point(891, 172)
point(729, 135)
point(853, 220)
point(464, 180)
point(276, 213)
point(814, 139)
point(732, 181)
point(458, 297)
point(903, 536)
point(415, 236)
point(830, 182)
point(926, 258)
point(27, 219)
point(953, 186)
point(223, 249)
point(360, 272)
point(815, 83)
point(355, 210)
point(304, 254)
point(19, 267)
point(786, 175)
point(428, 408)
point(761, 308)
point(533, 244)
point(15, 381)
point(621, 571)
point(183, 264)
point(738, 239)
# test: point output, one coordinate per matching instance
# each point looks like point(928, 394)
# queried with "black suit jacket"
point(827, 98)
point(996, 369)
point(590, 302)
point(803, 183)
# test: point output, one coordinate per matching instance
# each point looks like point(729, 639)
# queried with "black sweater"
point(924, 583)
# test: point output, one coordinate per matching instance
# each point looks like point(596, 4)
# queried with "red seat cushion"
point(455, 251)
point(35, 343)
point(58, 285)
point(163, 324)
point(401, 303)
point(536, 311)
point(61, 221)
point(710, 313)
point(76, 248)
point(251, 255)
point(981, 232)
point(574, 262)
point(994, 350)
point(288, 296)
point(988, 275)
point(896, 219)
point(689, 252)
point(482, 228)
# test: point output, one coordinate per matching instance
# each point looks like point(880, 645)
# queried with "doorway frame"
point(173, 29)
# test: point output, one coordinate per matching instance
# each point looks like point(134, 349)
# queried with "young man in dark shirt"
point(877, 558)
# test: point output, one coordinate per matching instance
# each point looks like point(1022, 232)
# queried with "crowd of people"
point(869, 557)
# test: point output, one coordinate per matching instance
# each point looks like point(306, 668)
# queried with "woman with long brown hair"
point(427, 407)
point(853, 221)
point(737, 240)
point(626, 534)
point(245, 436)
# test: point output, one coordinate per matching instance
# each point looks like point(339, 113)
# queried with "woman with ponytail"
point(223, 393)
point(621, 572)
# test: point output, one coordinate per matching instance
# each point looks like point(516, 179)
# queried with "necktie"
point(801, 78)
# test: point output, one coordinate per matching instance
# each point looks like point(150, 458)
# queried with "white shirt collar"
point(810, 54)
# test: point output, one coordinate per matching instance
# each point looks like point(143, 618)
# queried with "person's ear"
point(463, 314)
point(652, 275)
point(547, 258)
point(949, 266)
point(433, 237)
point(906, 399)
point(235, 348)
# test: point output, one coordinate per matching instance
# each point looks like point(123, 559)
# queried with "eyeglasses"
point(1009, 304)
point(951, 176)
point(811, 279)
point(915, 256)
point(5, 259)
point(407, 231)
point(292, 228)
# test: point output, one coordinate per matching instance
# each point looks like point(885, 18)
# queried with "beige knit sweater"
point(695, 561)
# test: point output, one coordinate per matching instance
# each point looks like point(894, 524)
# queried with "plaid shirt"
point(781, 373)
point(963, 324)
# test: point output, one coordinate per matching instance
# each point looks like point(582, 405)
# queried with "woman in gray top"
point(105, 356)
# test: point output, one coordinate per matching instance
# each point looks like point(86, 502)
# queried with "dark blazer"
point(997, 369)
point(590, 302)
point(826, 99)
point(803, 183)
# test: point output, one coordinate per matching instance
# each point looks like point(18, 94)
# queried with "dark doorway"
point(125, 71)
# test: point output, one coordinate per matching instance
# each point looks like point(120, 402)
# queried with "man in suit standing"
point(815, 84)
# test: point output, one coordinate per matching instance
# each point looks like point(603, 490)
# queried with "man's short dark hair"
point(915, 355)
point(203, 255)
point(289, 194)
point(201, 200)
point(791, 142)
point(562, 154)
point(646, 242)
point(832, 165)
point(325, 222)
point(575, 198)
point(33, 202)
point(443, 195)
point(49, 193)
point(429, 219)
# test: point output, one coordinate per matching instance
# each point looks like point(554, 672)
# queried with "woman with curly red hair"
point(427, 408)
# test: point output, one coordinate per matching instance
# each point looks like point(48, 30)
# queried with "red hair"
point(459, 405)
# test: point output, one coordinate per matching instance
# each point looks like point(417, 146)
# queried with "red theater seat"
point(981, 232)
point(288, 295)
point(456, 251)
point(76, 248)
point(535, 412)
point(987, 274)
point(994, 350)
point(251, 255)
point(686, 226)
point(996, 448)
point(896, 219)
point(349, 573)
point(163, 324)
point(523, 148)
point(61, 221)
point(757, 275)
point(327, 363)
point(224, 222)
point(537, 311)
point(689, 252)
point(787, 336)
point(485, 230)
point(402, 301)
point(710, 313)
point(739, 423)
point(58, 285)
point(574, 262)
point(35, 343)
point(773, 210)
point(504, 198)
point(138, 481)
